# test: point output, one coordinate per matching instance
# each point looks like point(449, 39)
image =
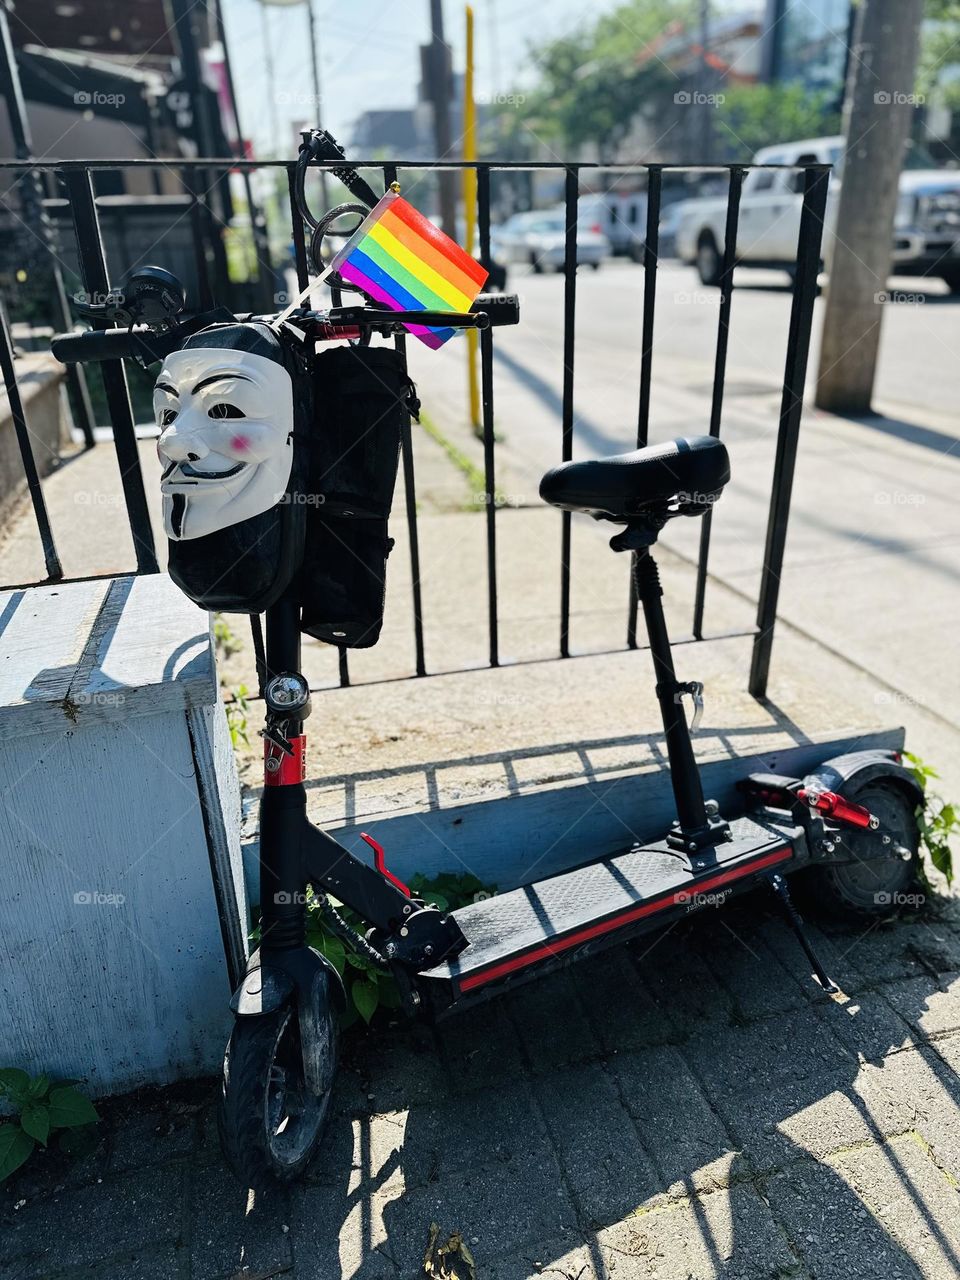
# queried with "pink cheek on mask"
point(240, 444)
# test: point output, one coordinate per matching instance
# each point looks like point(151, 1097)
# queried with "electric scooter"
point(849, 825)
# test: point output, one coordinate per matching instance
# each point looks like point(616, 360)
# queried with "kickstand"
point(779, 886)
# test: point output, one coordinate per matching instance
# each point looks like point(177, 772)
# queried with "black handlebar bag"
point(235, 408)
point(362, 396)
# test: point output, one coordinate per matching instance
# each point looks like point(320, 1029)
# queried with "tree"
point(593, 81)
point(756, 115)
point(877, 116)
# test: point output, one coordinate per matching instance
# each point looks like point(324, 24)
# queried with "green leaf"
point(365, 998)
point(38, 1088)
point(35, 1119)
point(335, 952)
point(360, 962)
point(70, 1109)
point(15, 1147)
point(14, 1082)
point(942, 859)
point(437, 899)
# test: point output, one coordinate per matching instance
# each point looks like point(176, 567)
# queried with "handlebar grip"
point(113, 344)
point(502, 308)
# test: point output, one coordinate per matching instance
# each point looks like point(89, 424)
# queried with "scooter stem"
point(696, 831)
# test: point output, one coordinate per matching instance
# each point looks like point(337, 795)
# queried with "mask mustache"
point(189, 474)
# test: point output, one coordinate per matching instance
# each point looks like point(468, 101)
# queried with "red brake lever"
point(380, 864)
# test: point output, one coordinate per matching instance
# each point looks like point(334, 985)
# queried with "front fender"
point(845, 774)
point(268, 986)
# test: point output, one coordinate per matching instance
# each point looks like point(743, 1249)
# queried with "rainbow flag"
point(401, 260)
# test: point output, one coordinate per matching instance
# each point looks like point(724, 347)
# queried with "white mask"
point(226, 443)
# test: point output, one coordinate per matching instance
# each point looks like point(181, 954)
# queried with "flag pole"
point(470, 215)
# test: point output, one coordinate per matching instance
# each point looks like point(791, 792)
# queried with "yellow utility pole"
point(470, 214)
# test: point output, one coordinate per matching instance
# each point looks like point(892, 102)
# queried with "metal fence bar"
point(486, 401)
point(93, 272)
point(296, 223)
point(815, 184)
point(76, 375)
point(571, 194)
point(8, 369)
point(410, 492)
point(651, 257)
point(199, 240)
point(730, 232)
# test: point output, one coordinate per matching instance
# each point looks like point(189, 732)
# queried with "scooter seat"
point(684, 476)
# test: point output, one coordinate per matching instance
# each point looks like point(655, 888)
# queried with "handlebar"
point(149, 345)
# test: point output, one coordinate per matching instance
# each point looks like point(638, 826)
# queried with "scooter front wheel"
point(270, 1122)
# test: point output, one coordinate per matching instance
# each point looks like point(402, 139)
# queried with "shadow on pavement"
point(690, 1106)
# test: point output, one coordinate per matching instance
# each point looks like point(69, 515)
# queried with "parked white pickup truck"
point(926, 228)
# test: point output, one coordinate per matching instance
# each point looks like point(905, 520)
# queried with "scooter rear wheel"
point(875, 883)
point(269, 1121)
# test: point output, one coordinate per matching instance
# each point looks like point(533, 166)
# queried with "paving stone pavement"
point(688, 1108)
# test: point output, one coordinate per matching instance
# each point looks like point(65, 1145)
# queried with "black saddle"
point(681, 477)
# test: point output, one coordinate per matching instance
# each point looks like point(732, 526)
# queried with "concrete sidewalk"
point(689, 1108)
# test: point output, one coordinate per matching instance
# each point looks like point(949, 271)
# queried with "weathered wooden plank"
point(99, 651)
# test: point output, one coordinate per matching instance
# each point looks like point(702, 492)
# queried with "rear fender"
point(848, 773)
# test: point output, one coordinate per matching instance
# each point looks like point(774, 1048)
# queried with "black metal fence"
point(75, 180)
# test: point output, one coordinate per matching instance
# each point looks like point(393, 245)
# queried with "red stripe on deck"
point(546, 949)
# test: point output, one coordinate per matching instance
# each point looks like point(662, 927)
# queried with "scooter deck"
point(556, 921)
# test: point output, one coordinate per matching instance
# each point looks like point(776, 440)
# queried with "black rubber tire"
point(709, 261)
point(872, 888)
point(242, 1113)
point(951, 278)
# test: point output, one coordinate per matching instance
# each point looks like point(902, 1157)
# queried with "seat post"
point(696, 830)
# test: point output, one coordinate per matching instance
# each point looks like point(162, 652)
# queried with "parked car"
point(539, 239)
point(926, 229)
point(620, 216)
point(670, 220)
